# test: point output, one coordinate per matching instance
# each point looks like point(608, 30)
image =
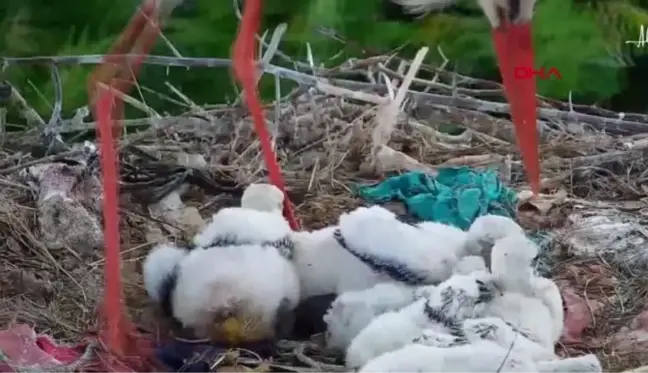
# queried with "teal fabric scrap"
point(457, 196)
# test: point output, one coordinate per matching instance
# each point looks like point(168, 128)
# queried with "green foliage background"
point(585, 40)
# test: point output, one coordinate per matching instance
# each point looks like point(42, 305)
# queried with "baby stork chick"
point(440, 312)
point(236, 294)
point(529, 314)
point(237, 284)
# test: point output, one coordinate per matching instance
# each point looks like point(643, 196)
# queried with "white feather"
point(239, 223)
point(325, 267)
point(376, 232)
point(353, 310)
point(159, 265)
point(251, 279)
point(263, 197)
point(480, 357)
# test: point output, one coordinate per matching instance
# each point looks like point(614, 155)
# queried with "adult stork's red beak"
point(514, 48)
point(511, 23)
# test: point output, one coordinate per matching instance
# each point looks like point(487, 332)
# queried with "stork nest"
point(325, 144)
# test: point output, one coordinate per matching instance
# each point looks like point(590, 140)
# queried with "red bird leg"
point(246, 72)
point(112, 272)
point(514, 48)
point(130, 67)
point(109, 108)
point(128, 38)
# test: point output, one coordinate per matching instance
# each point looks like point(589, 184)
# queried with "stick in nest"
point(382, 155)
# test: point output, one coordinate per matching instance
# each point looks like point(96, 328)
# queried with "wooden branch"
point(595, 119)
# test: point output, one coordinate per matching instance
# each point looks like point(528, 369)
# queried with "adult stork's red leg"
point(514, 48)
point(118, 73)
point(246, 71)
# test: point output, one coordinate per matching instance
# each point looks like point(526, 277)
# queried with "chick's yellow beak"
point(233, 330)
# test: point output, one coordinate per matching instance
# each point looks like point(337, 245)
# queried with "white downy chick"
point(263, 197)
point(352, 311)
point(442, 311)
point(238, 281)
point(159, 268)
point(402, 251)
point(479, 357)
point(487, 229)
point(530, 304)
point(234, 293)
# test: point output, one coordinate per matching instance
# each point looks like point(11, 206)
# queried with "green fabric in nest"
point(457, 196)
